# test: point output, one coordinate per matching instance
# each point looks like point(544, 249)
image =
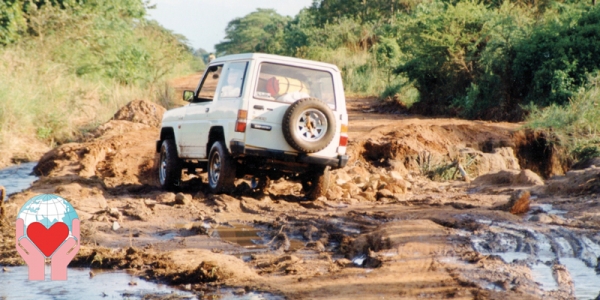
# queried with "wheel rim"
point(214, 169)
point(311, 125)
point(162, 174)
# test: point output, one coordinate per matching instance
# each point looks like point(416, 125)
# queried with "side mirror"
point(188, 96)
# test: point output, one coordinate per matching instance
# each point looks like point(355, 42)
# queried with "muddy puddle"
point(559, 258)
point(17, 178)
point(80, 285)
point(107, 285)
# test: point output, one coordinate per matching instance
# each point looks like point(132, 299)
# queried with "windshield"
point(288, 84)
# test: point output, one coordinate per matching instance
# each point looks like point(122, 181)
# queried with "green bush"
point(574, 125)
point(79, 62)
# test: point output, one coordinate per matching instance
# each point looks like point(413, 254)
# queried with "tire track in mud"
point(560, 259)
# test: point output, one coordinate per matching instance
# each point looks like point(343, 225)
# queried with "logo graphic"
point(47, 227)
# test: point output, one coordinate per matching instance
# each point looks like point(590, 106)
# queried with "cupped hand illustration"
point(30, 253)
point(65, 253)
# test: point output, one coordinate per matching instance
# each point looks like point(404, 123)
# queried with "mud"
point(400, 221)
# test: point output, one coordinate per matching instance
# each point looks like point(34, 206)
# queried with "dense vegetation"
point(67, 65)
point(487, 59)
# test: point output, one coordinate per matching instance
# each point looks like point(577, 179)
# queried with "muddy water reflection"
point(17, 178)
point(541, 247)
point(107, 285)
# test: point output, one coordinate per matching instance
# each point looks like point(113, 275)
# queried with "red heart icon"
point(47, 240)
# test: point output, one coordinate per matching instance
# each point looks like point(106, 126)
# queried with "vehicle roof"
point(278, 58)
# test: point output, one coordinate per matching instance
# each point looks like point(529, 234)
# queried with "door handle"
point(207, 109)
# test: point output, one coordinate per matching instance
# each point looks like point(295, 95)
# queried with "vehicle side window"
point(209, 84)
point(233, 80)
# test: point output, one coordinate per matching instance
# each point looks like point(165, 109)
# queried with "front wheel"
point(170, 165)
point(315, 183)
point(221, 169)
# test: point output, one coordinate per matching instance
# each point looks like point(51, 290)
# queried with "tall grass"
point(67, 79)
point(574, 126)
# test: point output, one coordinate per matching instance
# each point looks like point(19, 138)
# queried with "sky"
point(203, 22)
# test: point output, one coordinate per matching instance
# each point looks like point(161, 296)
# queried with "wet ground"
point(81, 285)
point(18, 177)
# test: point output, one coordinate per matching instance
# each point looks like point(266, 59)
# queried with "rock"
point(384, 193)
point(528, 177)
point(334, 192)
point(344, 262)
point(361, 181)
point(351, 188)
point(368, 195)
point(342, 177)
point(396, 176)
point(316, 246)
point(358, 171)
point(150, 203)
point(116, 226)
point(115, 213)
point(166, 198)
point(542, 218)
point(517, 204)
point(183, 199)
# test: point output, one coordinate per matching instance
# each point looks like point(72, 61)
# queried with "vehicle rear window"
point(285, 83)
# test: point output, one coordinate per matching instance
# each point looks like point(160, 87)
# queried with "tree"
point(259, 31)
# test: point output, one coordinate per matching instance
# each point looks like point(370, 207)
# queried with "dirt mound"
point(432, 149)
point(141, 111)
point(510, 177)
point(537, 153)
point(575, 182)
point(119, 153)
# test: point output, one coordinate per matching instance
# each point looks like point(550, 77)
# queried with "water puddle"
point(587, 282)
point(539, 247)
point(543, 275)
point(243, 235)
point(17, 178)
point(79, 285)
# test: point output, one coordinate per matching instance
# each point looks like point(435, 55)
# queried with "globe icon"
point(47, 209)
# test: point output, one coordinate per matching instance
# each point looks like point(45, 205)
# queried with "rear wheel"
point(221, 169)
point(169, 169)
point(315, 183)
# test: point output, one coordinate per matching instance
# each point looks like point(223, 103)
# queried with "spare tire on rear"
point(308, 125)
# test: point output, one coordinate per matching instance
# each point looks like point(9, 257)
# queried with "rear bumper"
point(239, 149)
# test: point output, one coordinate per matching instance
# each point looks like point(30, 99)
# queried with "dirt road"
point(400, 222)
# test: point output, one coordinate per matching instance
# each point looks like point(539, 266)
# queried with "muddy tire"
point(316, 183)
point(308, 125)
point(169, 166)
point(221, 169)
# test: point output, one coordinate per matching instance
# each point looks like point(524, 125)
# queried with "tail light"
point(240, 123)
point(344, 135)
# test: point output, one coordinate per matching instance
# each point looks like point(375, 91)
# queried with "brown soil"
point(395, 223)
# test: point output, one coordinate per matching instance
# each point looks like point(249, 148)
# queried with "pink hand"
point(64, 254)
point(32, 256)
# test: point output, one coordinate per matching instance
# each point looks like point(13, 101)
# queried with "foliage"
point(77, 63)
point(259, 31)
point(554, 62)
point(574, 125)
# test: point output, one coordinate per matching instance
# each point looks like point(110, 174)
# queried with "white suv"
point(262, 115)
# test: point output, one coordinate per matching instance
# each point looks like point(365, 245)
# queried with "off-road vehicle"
point(262, 116)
